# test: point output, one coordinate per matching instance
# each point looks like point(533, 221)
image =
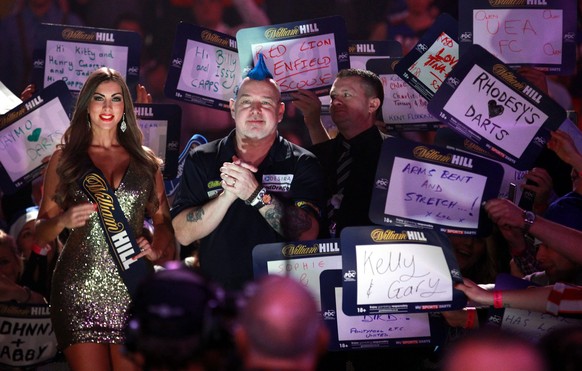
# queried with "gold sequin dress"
point(89, 299)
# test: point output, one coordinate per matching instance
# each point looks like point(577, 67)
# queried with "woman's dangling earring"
point(89, 121)
point(123, 125)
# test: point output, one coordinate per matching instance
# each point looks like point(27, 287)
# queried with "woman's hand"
point(77, 215)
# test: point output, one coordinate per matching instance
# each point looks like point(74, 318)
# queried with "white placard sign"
point(305, 63)
point(73, 62)
point(515, 35)
point(306, 271)
point(379, 326)
point(303, 261)
point(434, 193)
point(27, 338)
point(299, 55)
point(394, 273)
point(209, 70)
point(436, 63)
point(495, 111)
point(403, 104)
point(155, 135)
point(534, 325)
point(25, 143)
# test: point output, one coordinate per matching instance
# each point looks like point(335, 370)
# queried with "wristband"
point(253, 195)
point(497, 299)
point(471, 317)
point(528, 219)
point(262, 199)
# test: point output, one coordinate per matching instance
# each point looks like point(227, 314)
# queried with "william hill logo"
point(12, 116)
point(383, 235)
point(504, 3)
point(317, 248)
point(281, 32)
point(431, 154)
point(436, 156)
point(31, 104)
point(362, 49)
point(308, 28)
point(300, 249)
point(214, 38)
point(104, 37)
point(80, 35)
point(144, 111)
point(462, 161)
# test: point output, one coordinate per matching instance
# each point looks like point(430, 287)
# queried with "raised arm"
point(310, 105)
point(564, 240)
point(533, 298)
point(561, 143)
point(163, 239)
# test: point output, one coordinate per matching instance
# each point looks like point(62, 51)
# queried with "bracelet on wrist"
point(253, 196)
point(471, 317)
point(528, 219)
point(263, 199)
point(497, 299)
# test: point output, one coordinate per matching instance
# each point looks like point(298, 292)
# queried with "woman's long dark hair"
point(75, 142)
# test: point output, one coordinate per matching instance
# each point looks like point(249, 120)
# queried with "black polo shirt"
point(289, 172)
point(365, 152)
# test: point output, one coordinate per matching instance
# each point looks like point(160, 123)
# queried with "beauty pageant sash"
point(118, 233)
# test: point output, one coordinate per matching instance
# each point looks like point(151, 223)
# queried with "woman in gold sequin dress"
point(89, 298)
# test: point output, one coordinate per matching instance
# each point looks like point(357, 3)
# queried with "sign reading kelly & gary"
point(398, 270)
point(490, 104)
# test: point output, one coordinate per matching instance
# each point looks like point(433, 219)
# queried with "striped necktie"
point(344, 166)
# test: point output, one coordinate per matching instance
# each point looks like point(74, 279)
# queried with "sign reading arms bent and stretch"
point(432, 187)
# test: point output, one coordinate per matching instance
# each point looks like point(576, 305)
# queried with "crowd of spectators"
point(194, 318)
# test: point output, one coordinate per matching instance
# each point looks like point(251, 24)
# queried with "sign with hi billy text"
point(205, 67)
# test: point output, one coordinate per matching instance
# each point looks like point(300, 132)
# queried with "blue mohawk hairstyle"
point(260, 71)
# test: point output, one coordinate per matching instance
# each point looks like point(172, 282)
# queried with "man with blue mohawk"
point(248, 188)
